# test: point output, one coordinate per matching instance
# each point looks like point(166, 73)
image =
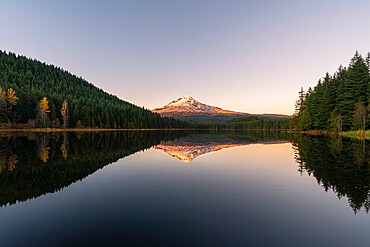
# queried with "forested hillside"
point(338, 102)
point(34, 94)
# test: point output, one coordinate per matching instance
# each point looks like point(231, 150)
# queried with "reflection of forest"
point(338, 164)
point(35, 164)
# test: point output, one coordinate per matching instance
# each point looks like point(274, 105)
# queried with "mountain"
point(88, 105)
point(188, 108)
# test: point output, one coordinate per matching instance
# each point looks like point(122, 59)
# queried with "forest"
point(259, 123)
point(34, 94)
point(339, 102)
point(246, 123)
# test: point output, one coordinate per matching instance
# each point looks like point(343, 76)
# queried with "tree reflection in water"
point(34, 164)
point(341, 165)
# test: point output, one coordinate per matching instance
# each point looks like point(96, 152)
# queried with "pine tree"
point(346, 99)
point(367, 60)
point(323, 106)
point(358, 73)
point(300, 103)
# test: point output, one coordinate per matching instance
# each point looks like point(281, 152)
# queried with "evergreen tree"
point(367, 60)
point(300, 103)
point(358, 73)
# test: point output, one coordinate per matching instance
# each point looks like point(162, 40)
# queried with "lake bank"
point(359, 134)
point(355, 134)
point(49, 130)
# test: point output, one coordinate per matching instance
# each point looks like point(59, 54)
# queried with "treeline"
point(338, 102)
point(258, 123)
point(25, 83)
point(261, 123)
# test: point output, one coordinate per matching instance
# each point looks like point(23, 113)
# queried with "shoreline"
point(50, 130)
point(103, 129)
point(354, 134)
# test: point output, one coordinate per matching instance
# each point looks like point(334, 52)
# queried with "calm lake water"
point(161, 188)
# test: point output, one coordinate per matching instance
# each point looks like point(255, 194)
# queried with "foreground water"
point(183, 189)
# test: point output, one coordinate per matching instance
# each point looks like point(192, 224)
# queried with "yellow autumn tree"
point(64, 113)
point(11, 97)
point(7, 100)
point(44, 154)
point(44, 109)
point(12, 162)
point(44, 105)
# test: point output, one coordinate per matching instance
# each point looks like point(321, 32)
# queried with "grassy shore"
point(355, 134)
point(359, 134)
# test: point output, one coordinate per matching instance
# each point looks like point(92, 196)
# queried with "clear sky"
point(250, 56)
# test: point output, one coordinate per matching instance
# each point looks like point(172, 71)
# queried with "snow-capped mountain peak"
point(187, 99)
point(188, 106)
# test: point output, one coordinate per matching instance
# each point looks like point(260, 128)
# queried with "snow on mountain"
point(188, 106)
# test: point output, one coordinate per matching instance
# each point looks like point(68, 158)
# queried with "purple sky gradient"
point(250, 56)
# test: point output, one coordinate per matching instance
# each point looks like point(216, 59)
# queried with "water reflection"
point(341, 165)
point(188, 148)
point(35, 164)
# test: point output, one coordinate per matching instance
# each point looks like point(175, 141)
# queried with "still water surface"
point(183, 189)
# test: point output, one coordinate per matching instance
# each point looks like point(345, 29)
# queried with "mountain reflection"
point(341, 165)
point(188, 148)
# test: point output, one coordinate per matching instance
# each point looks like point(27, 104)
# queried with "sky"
point(250, 56)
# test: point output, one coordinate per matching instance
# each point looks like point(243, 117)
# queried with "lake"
point(183, 188)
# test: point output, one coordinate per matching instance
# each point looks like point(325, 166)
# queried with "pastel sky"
point(250, 56)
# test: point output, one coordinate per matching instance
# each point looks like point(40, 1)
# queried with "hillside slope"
point(92, 107)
